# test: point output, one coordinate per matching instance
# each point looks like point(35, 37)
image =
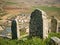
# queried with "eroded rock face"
point(36, 24)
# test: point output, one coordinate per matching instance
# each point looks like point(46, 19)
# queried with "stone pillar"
point(18, 31)
point(45, 25)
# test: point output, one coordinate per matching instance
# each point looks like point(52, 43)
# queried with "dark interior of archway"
point(36, 24)
point(14, 29)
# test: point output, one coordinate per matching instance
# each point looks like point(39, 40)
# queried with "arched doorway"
point(53, 24)
point(36, 24)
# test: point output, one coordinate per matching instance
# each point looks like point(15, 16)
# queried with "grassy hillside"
point(28, 41)
point(50, 11)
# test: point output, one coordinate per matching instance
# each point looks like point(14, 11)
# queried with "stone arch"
point(53, 24)
point(38, 24)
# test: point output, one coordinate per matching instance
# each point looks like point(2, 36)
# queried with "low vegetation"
point(28, 41)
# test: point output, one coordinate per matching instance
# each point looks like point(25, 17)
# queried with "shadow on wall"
point(36, 24)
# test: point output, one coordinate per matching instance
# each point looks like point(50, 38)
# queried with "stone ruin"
point(15, 29)
point(58, 25)
point(36, 23)
point(54, 41)
point(22, 22)
point(53, 24)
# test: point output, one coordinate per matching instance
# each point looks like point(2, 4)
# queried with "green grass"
point(28, 41)
point(11, 3)
point(46, 8)
point(23, 41)
point(54, 35)
point(50, 11)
